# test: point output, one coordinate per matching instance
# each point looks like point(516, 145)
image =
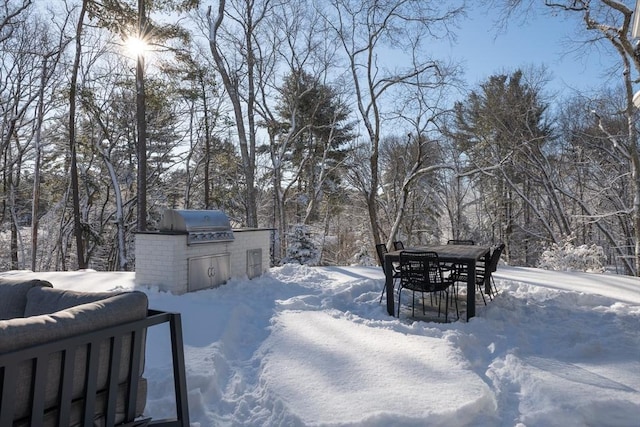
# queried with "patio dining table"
point(467, 255)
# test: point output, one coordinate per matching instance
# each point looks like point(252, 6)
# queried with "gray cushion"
point(49, 300)
point(24, 332)
point(13, 296)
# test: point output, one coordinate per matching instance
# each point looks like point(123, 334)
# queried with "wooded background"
point(332, 114)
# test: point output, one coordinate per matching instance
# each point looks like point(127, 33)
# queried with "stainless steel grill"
point(201, 226)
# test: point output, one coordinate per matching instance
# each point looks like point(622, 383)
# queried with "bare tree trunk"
point(246, 137)
point(207, 145)
point(14, 245)
point(635, 168)
point(75, 190)
point(142, 125)
point(122, 247)
point(416, 172)
point(278, 204)
point(372, 194)
point(36, 169)
point(319, 182)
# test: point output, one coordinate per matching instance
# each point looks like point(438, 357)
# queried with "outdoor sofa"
point(77, 358)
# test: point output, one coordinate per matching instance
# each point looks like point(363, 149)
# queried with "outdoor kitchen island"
point(198, 249)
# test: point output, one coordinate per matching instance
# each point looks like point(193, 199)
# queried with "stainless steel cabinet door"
point(208, 271)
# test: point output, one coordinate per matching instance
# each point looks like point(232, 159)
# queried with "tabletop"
point(450, 252)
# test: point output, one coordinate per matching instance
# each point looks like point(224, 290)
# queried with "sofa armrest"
point(13, 296)
point(41, 355)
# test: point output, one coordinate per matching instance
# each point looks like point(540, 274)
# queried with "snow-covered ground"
point(305, 346)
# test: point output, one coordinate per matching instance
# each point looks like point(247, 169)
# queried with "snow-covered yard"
point(304, 346)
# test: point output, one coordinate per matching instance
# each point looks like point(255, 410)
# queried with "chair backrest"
point(421, 271)
point(381, 249)
point(460, 242)
point(495, 257)
point(398, 245)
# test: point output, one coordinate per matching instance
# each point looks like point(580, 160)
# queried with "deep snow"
point(310, 346)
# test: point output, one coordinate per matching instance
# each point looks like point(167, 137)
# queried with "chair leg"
point(482, 294)
point(384, 289)
point(413, 303)
point(490, 293)
point(454, 298)
point(446, 306)
point(450, 296)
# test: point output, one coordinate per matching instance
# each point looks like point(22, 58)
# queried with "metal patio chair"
point(421, 271)
point(482, 270)
point(457, 269)
point(493, 265)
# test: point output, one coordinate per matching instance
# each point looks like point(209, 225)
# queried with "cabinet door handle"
point(211, 272)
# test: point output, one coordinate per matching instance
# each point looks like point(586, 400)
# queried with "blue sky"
point(543, 39)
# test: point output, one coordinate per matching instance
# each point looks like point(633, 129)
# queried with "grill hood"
point(202, 226)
